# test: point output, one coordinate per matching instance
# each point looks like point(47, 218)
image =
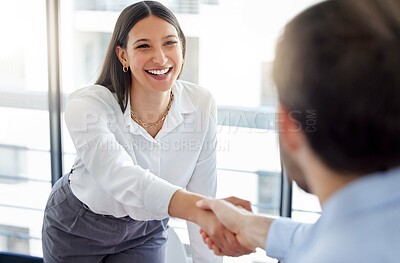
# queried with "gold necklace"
point(151, 124)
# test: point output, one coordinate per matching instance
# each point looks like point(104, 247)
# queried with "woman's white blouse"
point(121, 170)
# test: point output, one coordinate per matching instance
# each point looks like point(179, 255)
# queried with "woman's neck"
point(149, 106)
point(149, 110)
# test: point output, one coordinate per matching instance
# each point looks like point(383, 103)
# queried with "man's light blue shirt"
point(359, 223)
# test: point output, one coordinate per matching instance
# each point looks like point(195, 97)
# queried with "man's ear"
point(122, 56)
point(290, 132)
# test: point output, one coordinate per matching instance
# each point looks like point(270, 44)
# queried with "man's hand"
point(219, 238)
point(239, 202)
point(183, 205)
point(250, 230)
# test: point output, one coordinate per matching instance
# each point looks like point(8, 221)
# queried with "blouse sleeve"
point(88, 121)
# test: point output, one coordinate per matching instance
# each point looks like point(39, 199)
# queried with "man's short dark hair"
point(341, 59)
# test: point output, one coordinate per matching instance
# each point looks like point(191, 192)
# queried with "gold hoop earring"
point(124, 69)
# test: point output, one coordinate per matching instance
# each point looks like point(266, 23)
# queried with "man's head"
point(340, 60)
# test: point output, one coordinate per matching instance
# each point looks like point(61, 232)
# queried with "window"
point(24, 134)
point(15, 239)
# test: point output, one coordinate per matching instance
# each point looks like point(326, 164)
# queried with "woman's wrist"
point(183, 205)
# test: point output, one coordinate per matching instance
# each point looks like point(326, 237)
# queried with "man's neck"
point(323, 181)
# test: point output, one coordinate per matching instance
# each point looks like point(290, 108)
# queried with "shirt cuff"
point(279, 238)
point(158, 196)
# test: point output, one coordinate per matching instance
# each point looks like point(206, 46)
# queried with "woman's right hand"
point(237, 202)
point(219, 238)
point(224, 242)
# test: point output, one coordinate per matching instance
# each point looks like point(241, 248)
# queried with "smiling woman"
point(114, 204)
point(154, 56)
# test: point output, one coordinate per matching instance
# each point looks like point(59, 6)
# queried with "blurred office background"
point(50, 48)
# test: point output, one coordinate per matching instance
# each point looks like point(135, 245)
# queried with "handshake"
point(230, 228)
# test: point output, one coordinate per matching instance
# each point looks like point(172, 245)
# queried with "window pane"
point(305, 206)
point(24, 133)
point(249, 166)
